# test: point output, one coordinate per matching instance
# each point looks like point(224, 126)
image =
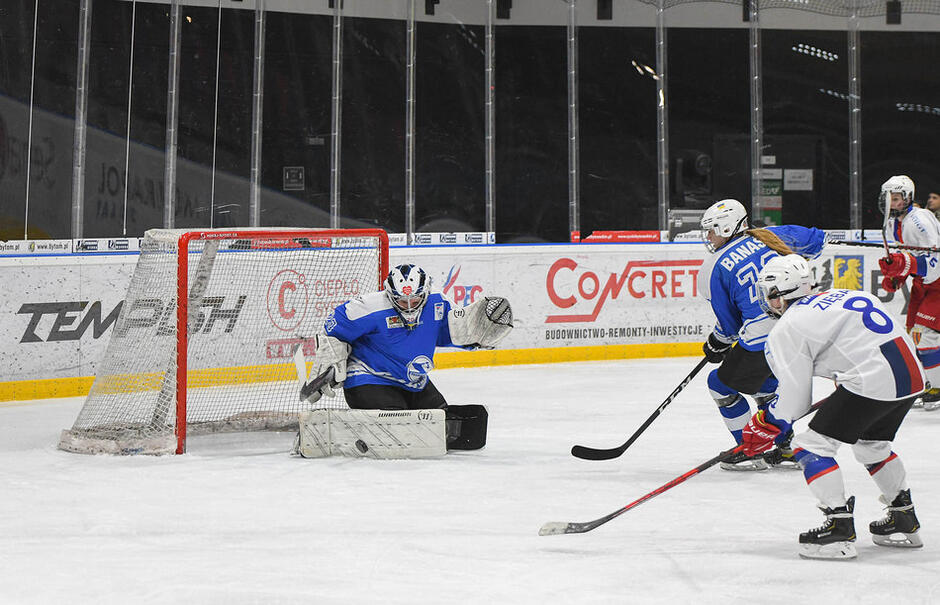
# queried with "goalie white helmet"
point(723, 221)
point(902, 184)
point(407, 289)
point(783, 280)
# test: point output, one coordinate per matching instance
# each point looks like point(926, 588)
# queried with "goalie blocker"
point(390, 434)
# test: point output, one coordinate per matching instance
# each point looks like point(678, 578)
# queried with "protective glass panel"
point(16, 37)
point(449, 127)
point(531, 134)
point(806, 128)
point(709, 117)
point(900, 114)
point(297, 109)
point(373, 137)
point(617, 127)
point(118, 138)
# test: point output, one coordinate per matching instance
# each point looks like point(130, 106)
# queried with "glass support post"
point(79, 142)
point(336, 115)
point(257, 108)
point(757, 112)
point(574, 202)
point(172, 119)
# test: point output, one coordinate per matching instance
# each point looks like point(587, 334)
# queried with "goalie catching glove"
point(480, 325)
point(329, 369)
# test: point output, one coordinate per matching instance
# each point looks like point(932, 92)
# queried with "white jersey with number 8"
point(848, 336)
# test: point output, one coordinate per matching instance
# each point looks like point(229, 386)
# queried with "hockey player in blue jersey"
point(380, 346)
point(728, 279)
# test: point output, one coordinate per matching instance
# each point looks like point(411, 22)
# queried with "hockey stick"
point(555, 528)
point(735, 454)
point(890, 246)
point(884, 223)
point(591, 453)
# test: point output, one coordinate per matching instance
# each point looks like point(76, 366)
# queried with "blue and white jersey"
point(728, 280)
point(384, 351)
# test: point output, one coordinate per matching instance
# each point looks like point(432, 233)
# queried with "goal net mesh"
point(253, 298)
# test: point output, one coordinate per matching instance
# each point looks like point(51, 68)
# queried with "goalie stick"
point(591, 453)
point(735, 454)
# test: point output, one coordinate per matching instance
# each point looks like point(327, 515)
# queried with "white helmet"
point(407, 288)
point(726, 219)
point(902, 184)
point(785, 278)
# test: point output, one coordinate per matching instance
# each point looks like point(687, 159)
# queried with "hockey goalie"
point(380, 347)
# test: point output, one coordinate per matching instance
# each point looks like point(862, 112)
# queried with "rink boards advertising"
point(571, 302)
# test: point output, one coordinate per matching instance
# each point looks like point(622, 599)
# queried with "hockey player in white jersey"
point(728, 279)
point(916, 227)
point(380, 347)
point(849, 337)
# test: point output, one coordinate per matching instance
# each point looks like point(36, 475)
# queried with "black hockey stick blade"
point(317, 383)
point(556, 528)
point(593, 453)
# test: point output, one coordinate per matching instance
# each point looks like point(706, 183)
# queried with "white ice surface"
point(236, 520)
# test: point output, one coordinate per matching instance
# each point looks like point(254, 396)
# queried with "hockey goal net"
point(205, 338)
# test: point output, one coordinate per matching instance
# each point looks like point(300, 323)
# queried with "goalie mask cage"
point(249, 298)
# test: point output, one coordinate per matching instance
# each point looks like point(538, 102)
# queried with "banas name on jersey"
point(845, 335)
point(728, 280)
point(384, 351)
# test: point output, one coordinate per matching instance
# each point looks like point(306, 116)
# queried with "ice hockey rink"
point(237, 520)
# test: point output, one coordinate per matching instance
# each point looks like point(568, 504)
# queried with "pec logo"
point(287, 299)
point(464, 294)
point(418, 369)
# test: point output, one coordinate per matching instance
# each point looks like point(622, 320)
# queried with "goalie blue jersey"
point(728, 279)
point(384, 351)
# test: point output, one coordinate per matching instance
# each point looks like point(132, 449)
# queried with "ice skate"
point(781, 457)
point(899, 527)
point(747, 464)
point(835, 539)
point(930, 400)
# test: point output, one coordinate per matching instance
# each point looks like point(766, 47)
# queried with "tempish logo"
point(644, 278)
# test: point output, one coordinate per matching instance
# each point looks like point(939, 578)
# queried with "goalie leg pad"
point(466, 427)
point(381, 434)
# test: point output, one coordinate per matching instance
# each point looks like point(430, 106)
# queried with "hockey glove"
point(898, 264)
point(761, 432)
point(714, 349)
point(890, 284)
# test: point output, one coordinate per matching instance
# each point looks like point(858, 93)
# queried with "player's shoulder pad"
point(921, 218)
point(367, 304)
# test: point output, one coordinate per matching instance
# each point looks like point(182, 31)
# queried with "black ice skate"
point(781, 457)
point(930, 400)
point(900, 525)
point(835, 538)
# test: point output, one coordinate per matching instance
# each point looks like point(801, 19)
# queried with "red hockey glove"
point(759, 434)
point(897, 264)
point(890, 284)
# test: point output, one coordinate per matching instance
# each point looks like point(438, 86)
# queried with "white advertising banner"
point(58, 312)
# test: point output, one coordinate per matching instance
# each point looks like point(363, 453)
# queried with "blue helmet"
point(407, 288)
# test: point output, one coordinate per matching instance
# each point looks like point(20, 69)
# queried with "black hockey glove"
point(715, 350)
